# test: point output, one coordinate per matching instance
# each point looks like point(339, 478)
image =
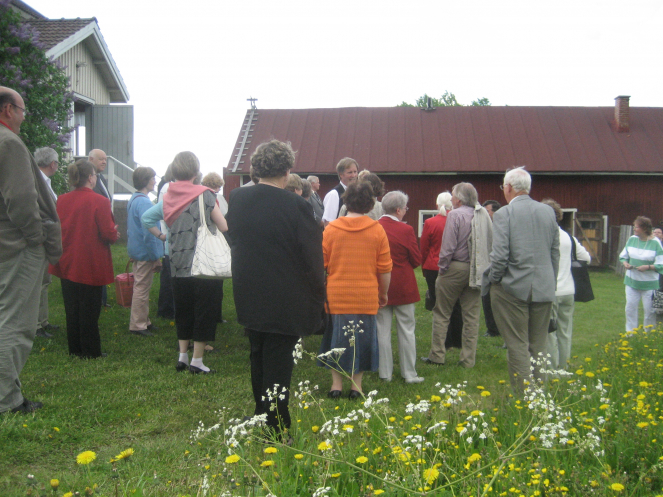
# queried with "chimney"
point(622, 113)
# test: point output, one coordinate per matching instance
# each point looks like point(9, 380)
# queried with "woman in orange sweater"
point(358, 263)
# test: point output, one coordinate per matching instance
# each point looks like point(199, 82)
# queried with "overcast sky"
point(190, 66)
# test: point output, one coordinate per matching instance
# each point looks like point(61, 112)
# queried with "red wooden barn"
point(603, 164)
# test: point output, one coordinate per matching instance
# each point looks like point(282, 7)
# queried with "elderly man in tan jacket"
point(30, 237)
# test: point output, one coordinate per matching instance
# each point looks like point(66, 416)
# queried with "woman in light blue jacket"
point(144, 249)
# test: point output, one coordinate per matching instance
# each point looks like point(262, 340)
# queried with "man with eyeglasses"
point(31, 237)
point(523, 276)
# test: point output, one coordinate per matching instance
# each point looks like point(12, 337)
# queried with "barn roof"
point(407, 140)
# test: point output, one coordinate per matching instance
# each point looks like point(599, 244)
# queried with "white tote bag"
point(211, 258)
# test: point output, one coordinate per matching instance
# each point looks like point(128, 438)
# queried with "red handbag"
point(124, 287)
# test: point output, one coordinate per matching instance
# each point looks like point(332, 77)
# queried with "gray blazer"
point(525, 255)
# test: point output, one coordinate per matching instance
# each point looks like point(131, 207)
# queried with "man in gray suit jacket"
point(523, 275)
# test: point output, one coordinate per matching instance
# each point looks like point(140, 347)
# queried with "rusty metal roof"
point(460, 139)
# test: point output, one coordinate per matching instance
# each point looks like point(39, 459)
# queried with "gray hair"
point(313, 179)
point(44, 156)
point(466, 194)
point(519, 179)
point(394, 200)
point(306, 188)
point(443, 203)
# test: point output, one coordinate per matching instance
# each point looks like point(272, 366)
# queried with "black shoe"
point(181, 366)
point(429, 302)
point(152, 327)
point(354, 394)
point(106, 305)
point(103, 354)
point(490, 334)
point(143, 333)
point(51, 327)
point(195, 370)
point(334, 394)
point(43, 334)
point(428, 361)
point(27, 406)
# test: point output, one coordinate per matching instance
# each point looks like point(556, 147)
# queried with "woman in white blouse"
point(559, 342)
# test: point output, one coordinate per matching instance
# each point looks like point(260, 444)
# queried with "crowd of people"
point(342, 267)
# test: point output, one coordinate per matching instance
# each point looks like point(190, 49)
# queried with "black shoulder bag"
point(580, 275)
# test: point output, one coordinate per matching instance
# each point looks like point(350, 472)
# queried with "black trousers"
point(166, 308)
point(82, 306)
point(197, 308)
point(219, 298)
point(491, 325)
point(271, 364)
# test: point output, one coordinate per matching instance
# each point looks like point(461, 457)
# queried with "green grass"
point(134, 398)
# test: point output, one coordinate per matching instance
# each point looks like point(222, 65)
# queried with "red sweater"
point(405, 257)
point(88, 230)
point(431, 241)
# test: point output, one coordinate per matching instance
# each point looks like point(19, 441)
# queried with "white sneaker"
point(416, 379)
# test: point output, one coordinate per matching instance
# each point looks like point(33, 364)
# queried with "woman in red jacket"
point(403, 291)
point(86, 265)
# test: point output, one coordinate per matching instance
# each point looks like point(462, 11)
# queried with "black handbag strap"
point(574, 256)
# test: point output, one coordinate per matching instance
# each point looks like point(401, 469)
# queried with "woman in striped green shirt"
point(643, 259)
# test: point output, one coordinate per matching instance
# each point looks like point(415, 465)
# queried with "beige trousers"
point(140, 302)
point(524, 326)
point(449, 287)
point(407, 344)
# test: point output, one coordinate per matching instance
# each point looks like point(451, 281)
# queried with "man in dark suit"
point(314, 199)
point(98, 159)
point(491, 206)
point(523, 275)
point(347, 170)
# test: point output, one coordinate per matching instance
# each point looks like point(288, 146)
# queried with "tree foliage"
point(41, 82)
point(446, 100)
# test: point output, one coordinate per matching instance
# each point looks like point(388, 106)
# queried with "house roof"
point(407, 140)
point(60, 35)
point(25, 10)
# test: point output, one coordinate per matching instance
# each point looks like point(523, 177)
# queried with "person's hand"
point(157, 268)
point(643, 268)
point(627, 265)
point(383, 299)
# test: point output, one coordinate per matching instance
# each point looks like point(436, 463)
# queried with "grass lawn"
point(135, 399)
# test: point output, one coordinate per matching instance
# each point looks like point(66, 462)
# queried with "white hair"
point(45, 156)
point(519, 179)
point(394, 200)
point(444, 203)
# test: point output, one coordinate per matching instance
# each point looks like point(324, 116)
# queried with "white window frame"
point(422, 213)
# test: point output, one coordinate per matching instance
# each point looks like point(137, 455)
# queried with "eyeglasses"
point(24, 111)
point(502, 186)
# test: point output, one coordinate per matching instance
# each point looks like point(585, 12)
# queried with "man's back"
point(525, 256)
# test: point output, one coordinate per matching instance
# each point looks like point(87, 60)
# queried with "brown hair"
point(213, 180)
point(344, 164)
point(376, 183)
point(294, 183)
point(273, 159)
point(555, 206)
point(142, 176)
point(185, 166)
point(358, 197)
point(644, 223)
point(79, 172)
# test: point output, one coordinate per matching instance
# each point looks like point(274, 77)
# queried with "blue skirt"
point(360, 329)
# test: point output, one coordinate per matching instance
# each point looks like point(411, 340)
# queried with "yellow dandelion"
point(589, 374)
point(315, 429)
point(392, 419)
point(476, 413)
point(125, 454)
point(378, 492)
point(68, 494)
point(232, 459)
point(362, 459)
point(335, 475)
point(55, 484)
point(485, 393)
point(474, 457)
point(324, 446)
point(431, 475)
point(266, 464)
point(86, 457)
point(603, 407)
point(271, 450)
point(435, 398)
point(617, 487)
point(407, 418)
point(377, 451)
point(642, 424)
point(299, 456)
point(55, 428)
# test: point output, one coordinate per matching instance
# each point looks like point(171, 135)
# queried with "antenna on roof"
point(253, 102)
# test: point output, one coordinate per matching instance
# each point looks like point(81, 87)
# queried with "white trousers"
point(407, 347)
point(633, 298)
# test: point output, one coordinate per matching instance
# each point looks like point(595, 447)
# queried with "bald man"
point(31, 237)
point(99, 159)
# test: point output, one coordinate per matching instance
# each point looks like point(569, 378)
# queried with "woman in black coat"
point(278, 275)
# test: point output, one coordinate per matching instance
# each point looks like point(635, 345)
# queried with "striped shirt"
point(638, 253)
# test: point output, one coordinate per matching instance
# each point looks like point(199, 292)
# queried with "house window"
point(423, 215)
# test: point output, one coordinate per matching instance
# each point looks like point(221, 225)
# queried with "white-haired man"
point(31, 237)
point(47, 161)
point(314, 199)
point(464, 256)
point(523, 275)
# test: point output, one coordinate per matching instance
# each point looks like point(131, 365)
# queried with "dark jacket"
point(277, 266)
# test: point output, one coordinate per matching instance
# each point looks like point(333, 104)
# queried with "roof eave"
point(110, 72)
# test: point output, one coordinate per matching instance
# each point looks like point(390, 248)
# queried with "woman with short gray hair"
point(403, 291)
